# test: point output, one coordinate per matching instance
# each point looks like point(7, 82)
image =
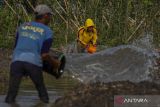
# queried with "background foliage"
point(117, 21)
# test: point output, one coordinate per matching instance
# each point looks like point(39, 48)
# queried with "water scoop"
point(55, 70)
point(91, 49)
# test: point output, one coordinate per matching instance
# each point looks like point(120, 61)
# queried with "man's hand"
point(87, 46)
point(95, 45)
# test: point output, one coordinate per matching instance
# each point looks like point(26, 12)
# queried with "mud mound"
point(102, 94)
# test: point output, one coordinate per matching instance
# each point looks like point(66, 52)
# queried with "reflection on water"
point(53, 85)
point(28, 101)
point(28, 96)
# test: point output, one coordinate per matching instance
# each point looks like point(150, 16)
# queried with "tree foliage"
point(117, 21)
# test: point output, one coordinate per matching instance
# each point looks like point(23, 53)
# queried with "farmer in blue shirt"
point(33, 41)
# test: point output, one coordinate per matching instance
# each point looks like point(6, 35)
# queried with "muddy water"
point(28, 97)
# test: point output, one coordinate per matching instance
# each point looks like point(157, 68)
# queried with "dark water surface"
point(28, 97)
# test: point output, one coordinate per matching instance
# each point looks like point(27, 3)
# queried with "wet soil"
point(102, 94)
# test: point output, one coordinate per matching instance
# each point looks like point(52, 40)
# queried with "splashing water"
point(146, 42)
point(126, 62)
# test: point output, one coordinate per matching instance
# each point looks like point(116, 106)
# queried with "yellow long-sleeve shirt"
point(87, 37)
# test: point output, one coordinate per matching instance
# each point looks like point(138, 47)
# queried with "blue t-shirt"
point(32, 38)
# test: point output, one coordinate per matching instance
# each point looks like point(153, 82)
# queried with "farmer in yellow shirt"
point(87, 37)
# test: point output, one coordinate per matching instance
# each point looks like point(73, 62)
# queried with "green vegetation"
point(118, 21)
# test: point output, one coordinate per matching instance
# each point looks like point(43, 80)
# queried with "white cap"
point(42, 9)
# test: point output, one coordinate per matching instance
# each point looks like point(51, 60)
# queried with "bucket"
point(56, 56)
point(91, 49)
